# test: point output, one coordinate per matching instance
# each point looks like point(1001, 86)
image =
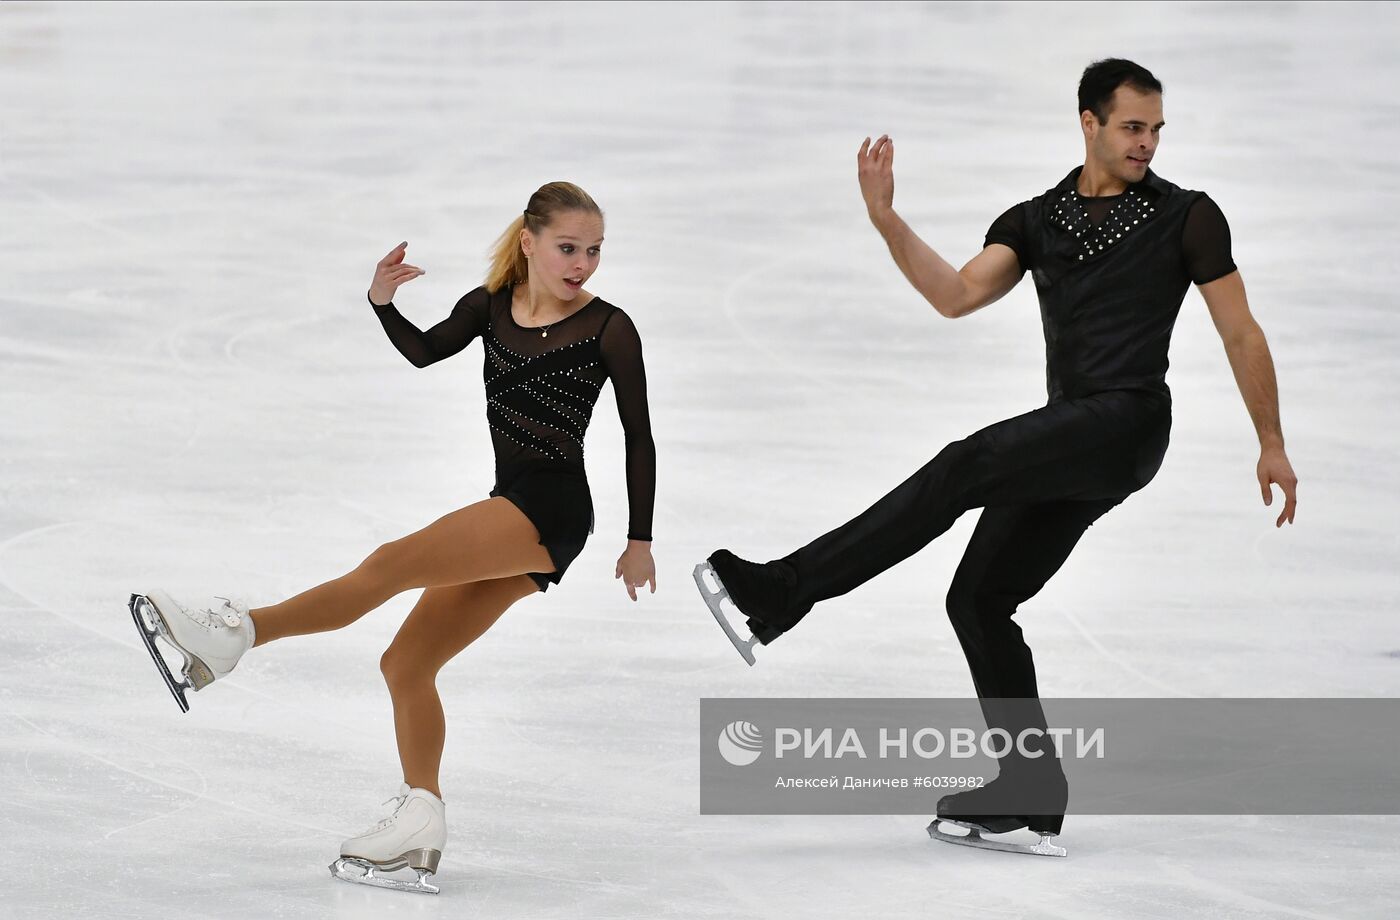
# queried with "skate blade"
point(359, 872)
point(974, 838)
point(196, 673)
point(712, 600)
point(149, 624)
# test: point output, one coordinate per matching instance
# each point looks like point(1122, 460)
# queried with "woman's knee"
point(387, 565)
point(403, 667)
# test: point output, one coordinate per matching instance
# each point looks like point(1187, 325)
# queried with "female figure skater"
point(549, 346)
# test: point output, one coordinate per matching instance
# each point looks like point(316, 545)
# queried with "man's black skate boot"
point(1001, 806)
point(762, 592)
point(1016, 799)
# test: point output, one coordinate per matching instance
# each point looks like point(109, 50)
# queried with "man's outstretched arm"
point(952, 292)
point(1248, 352)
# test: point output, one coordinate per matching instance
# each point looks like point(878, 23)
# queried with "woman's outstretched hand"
point(390, 273)
point(635, 567)
point(875, 169)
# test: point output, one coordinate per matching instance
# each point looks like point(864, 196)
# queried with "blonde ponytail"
point(508, 263)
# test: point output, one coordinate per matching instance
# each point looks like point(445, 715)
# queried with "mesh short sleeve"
point(1010, 230)
point(1205, 242)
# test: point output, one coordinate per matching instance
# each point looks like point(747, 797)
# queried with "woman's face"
point(565, 254)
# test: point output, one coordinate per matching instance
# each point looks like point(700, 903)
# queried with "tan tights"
point(472, 565)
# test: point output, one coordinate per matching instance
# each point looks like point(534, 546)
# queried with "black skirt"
point(558, 502)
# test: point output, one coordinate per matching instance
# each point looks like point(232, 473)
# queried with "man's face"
point(1125, 145)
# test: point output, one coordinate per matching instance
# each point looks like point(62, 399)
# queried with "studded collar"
point(1151, 180)
point(1137, 206)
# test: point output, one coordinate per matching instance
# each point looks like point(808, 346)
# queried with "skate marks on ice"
point(148, 622)
point(714, 596)
point(1117, 659)
point(200, 794)
point(974, 838)
point(1222, 896)
point(57, 606)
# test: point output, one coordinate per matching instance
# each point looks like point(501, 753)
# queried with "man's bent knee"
point(962, 607)
point(970, 606)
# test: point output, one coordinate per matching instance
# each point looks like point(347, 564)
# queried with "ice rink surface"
point(194, 394)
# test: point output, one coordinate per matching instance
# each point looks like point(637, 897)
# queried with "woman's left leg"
point(486, 540)
point(443, 622)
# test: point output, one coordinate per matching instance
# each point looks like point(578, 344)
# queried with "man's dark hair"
point(1101, 78)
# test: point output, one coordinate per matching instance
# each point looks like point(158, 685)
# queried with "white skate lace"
point(229, 612)
point(209, 618)
point(384, 822)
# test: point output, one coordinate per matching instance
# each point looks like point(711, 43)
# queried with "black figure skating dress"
point(541, 385)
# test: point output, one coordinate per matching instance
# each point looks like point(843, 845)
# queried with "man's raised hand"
point(875, 169)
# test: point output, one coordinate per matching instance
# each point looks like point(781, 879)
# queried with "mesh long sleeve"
point(469, 319)
point(622, 357)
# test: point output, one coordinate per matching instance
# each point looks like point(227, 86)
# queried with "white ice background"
point(195, 394)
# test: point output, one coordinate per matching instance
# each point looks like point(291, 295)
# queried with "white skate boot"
point(412, 836)
point(211, 638)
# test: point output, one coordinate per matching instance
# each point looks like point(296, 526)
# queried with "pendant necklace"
point(544, 334)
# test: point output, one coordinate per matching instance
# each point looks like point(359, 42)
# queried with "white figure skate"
point(211, 639)
point(412, 836)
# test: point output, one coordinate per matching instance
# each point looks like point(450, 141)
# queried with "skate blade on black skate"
point(150, 625)
point(712, 600)
point(974, 838)
point(362, 872)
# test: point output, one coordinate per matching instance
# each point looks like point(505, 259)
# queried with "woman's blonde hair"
point(508, 263)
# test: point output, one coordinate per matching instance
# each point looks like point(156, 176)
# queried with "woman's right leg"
point(489, 539)
point(443, 622)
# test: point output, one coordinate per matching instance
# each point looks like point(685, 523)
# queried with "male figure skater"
point(1113, 249)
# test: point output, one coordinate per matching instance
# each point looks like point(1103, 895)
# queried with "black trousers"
point(1042, 478)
